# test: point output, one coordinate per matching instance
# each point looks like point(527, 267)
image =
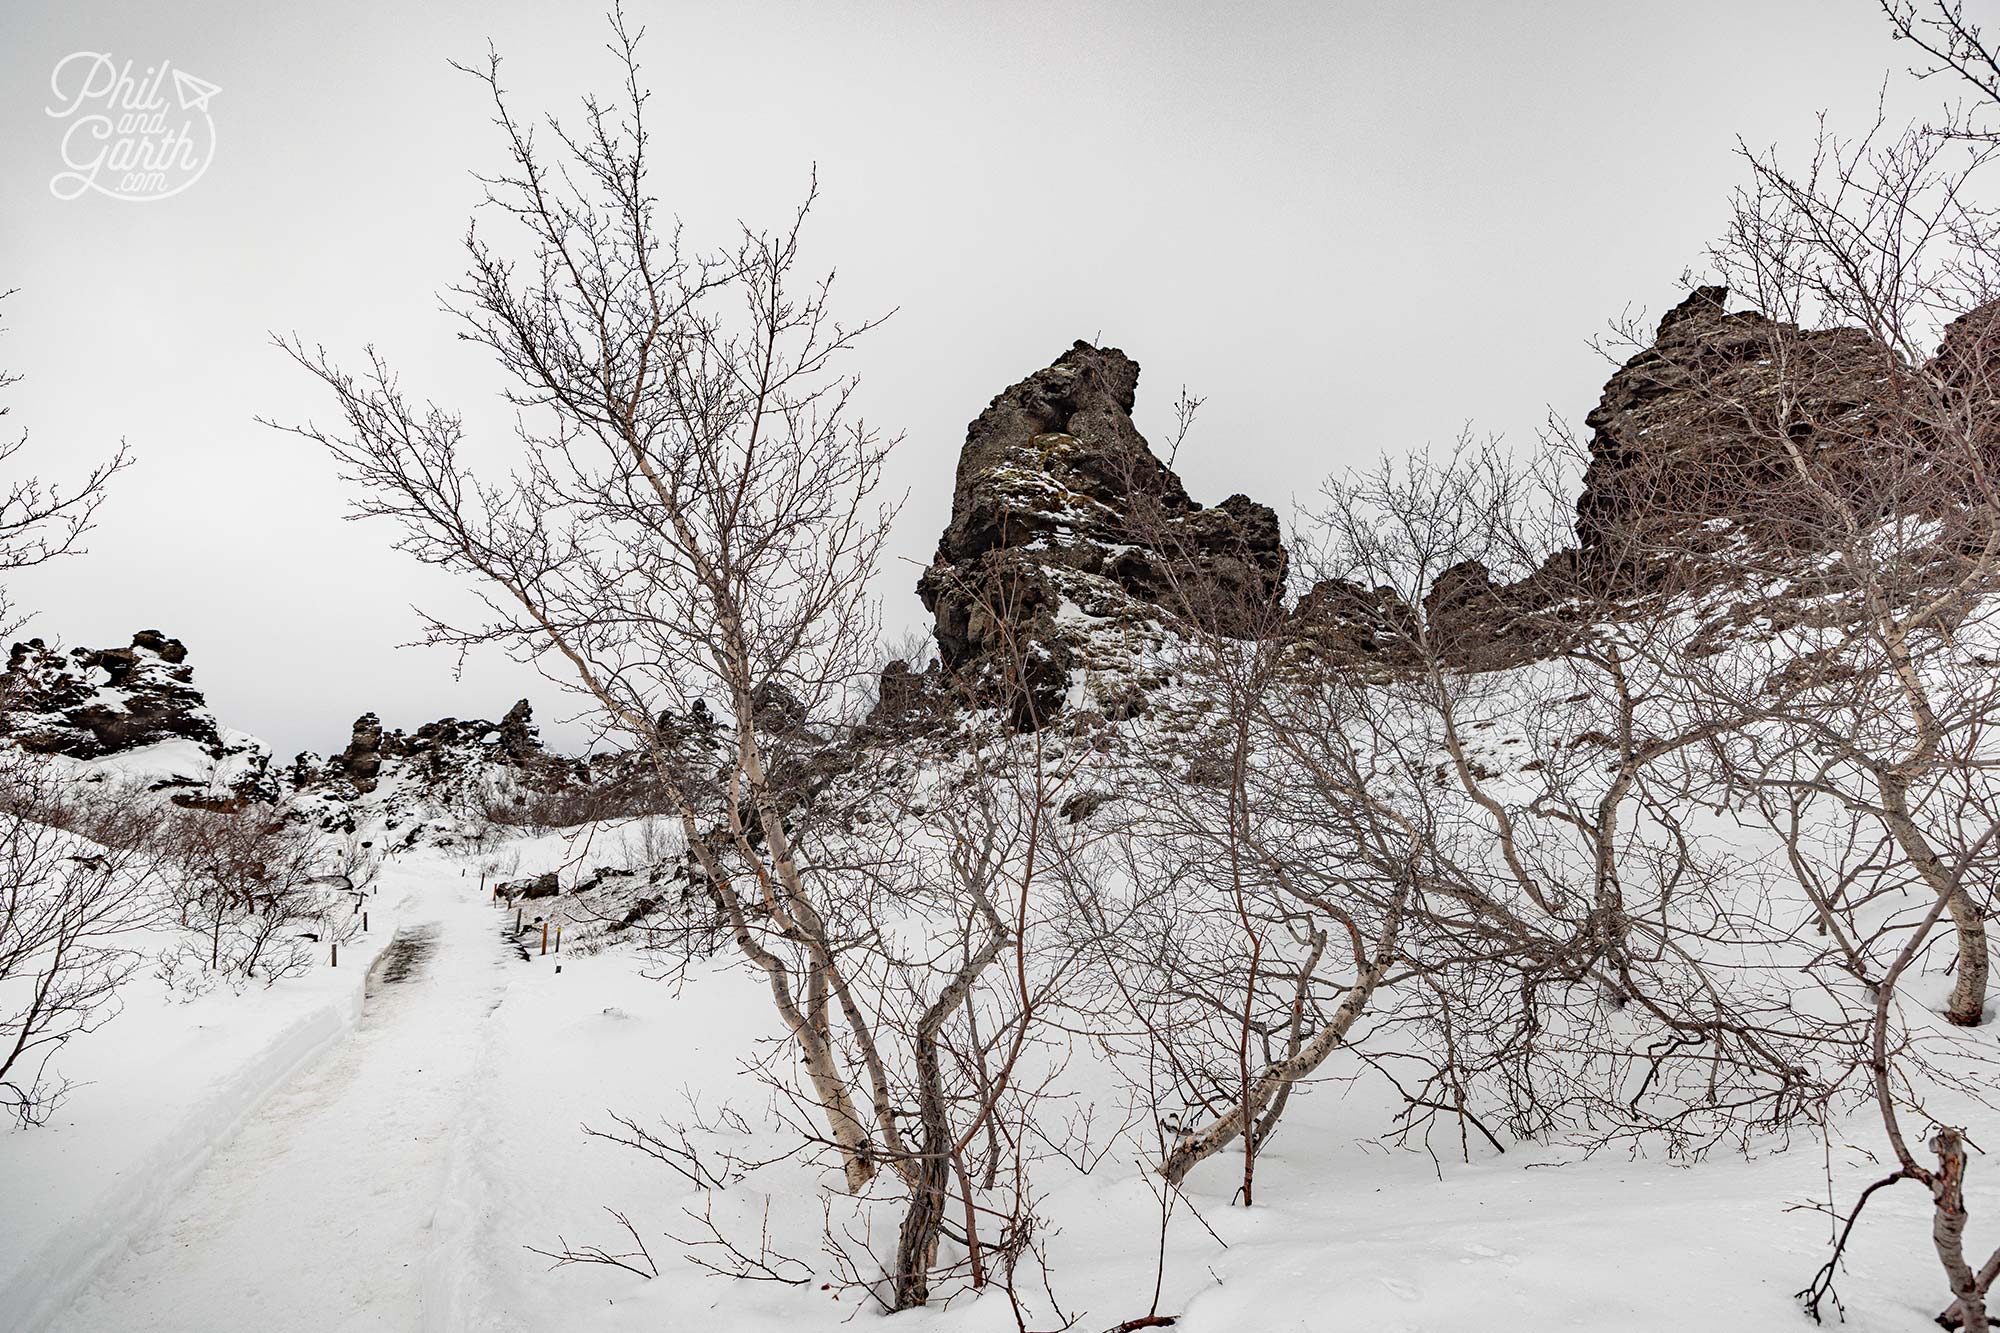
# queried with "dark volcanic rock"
point(776, 710)
point(536, 886)
point(1694, 434)
point(1465, 619)
point(1071, 547)
point(1699, 442)
point(101, 703)
point(440, 755)
point(519, 739)
point(1346, 622)
point(1967, 370)
point(897, 691)
point(90, 703)
point(1065, 527)
point(361, 762)
point(908, 701)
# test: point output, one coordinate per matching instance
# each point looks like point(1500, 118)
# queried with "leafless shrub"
point(636, 1260)
point(255, 891)
point(1226, 957)
point(68, 912)
point(970, 998)
point(568, 805)
point(1874, 691)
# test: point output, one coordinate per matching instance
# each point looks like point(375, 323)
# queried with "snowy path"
point(319, 1213)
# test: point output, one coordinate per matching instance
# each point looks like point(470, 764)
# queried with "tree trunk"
point(1968, 1306)
point(1968, 992)
point(1199, 1144)
point(916, 1245)
point(808, 1028)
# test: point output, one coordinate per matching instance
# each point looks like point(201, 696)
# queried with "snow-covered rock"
point(1069, 538)
point(130, 713)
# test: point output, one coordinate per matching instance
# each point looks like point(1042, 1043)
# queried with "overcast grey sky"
point(1354, 227)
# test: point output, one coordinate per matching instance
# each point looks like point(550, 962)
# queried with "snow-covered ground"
point(1347, 1235)
point(318, 1212)
point(158, 1089)
point(305, 1158)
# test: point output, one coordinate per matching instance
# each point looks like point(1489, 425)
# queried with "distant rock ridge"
point(1073, 551)
point(436, 747)
point(92, 702)
point(1701, 426)
point(1071, 545)
point(136, 713)
point(1694, 445)
point(1698, 439)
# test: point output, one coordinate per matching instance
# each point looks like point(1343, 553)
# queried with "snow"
point(398, 1175)
point(313, 1213)
point(177, 763)
point(1389, 1240)
point(313, 1157)
point(171, 760)
point(160, 1087)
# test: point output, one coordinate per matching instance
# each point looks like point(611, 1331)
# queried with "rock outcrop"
point(909, 702)
point(1694, 436)
point(437, 751)
point(361, 761)
point(1068, 537)
point(134, 715)
point(95, 704)
point(428, 783)
point(1696, 450)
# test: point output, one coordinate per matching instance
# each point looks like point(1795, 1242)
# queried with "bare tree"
point(66, 907)
point(68, 910)
point(1953, 48)
point(966, 1000)
point(1871, 684)
point(42, 521)
point(1229, 971)
point(255, 889)
point(694, 515)
point(1478, 761)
